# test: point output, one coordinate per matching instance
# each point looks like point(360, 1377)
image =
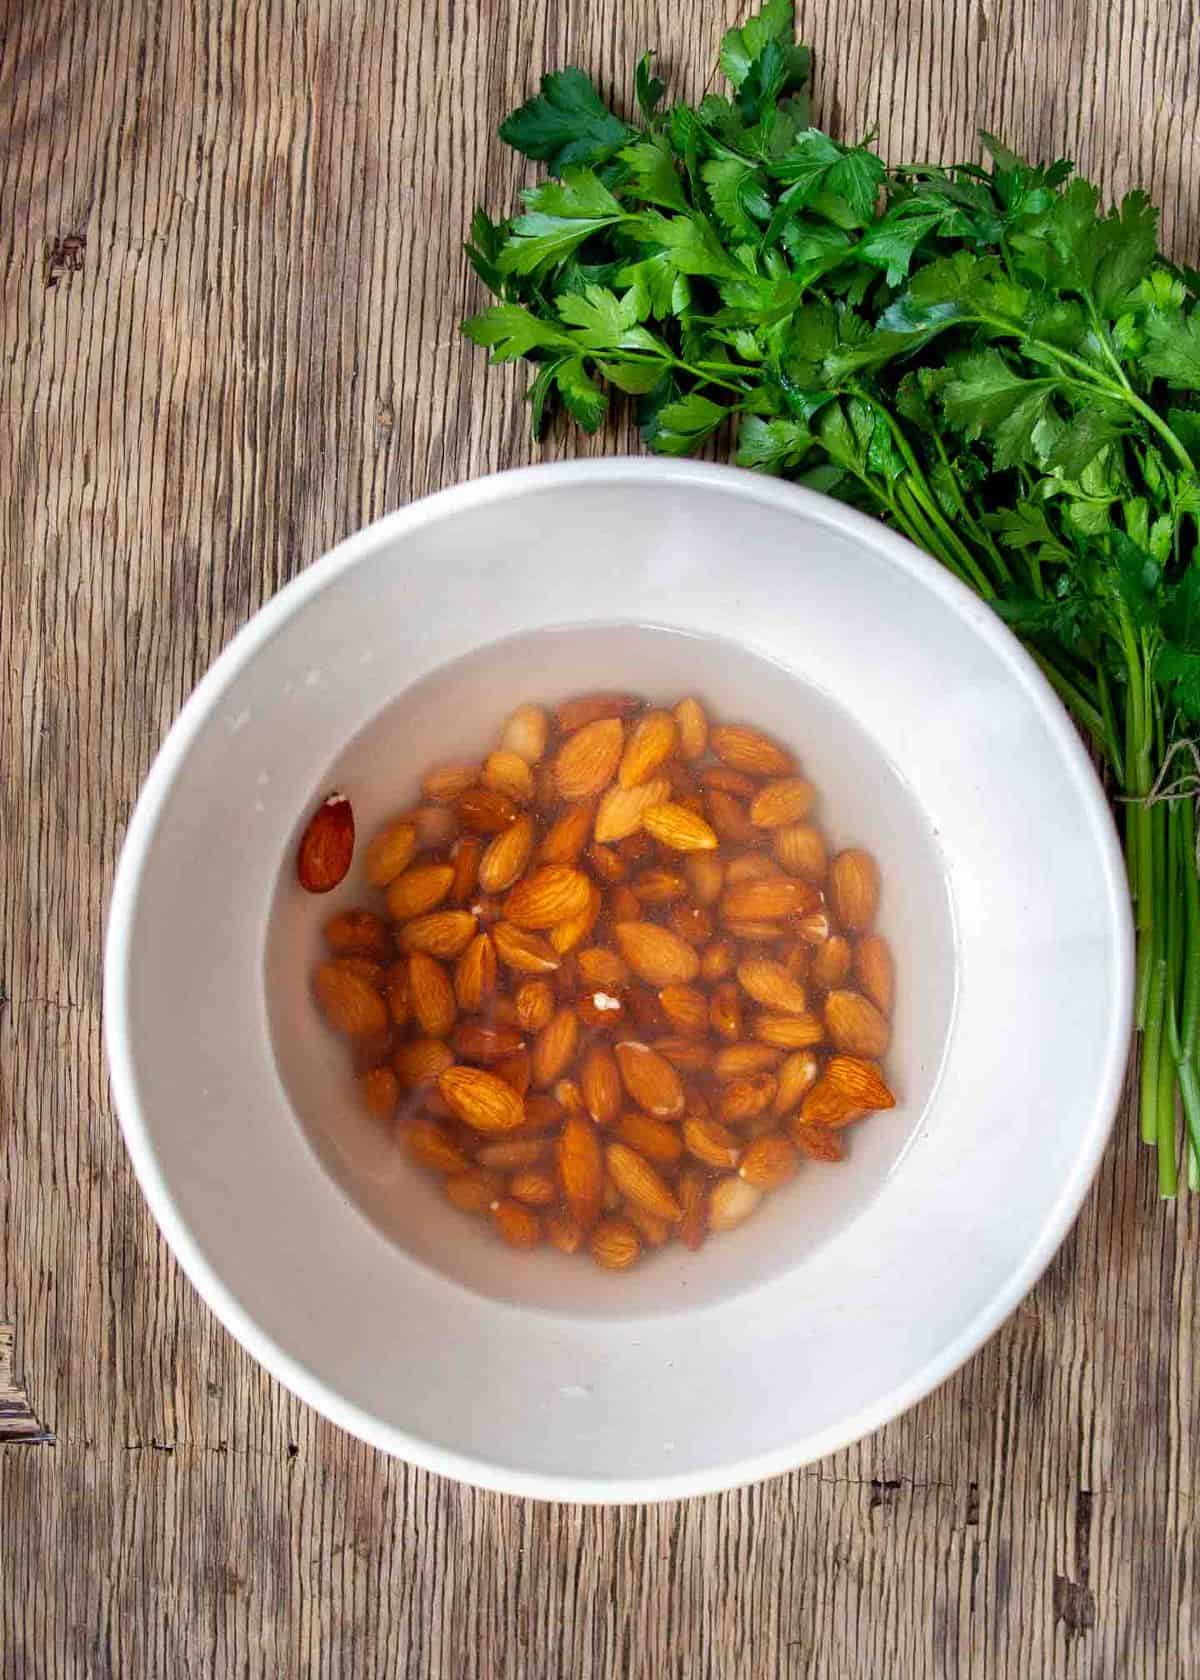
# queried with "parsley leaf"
point(567, 122)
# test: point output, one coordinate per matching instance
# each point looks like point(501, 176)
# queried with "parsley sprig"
point(984, 357)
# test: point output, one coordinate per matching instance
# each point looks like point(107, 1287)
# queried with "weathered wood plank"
point(231, 282)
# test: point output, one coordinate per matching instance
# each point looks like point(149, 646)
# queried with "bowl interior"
point(932, 739)
point(455, 713)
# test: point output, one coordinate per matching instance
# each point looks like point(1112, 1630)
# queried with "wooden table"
point(231, 282)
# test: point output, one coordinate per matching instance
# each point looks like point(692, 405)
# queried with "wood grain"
point(231, 283)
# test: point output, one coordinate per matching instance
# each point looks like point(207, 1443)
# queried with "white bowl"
point(934, 741)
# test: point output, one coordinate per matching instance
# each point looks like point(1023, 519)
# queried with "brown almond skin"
point(652, 740)
point(554, 1047)
point(615, 1244)
point(519, 1226)
point(641, 1183)
point(484, 811)
point(855, 1025)
point(854, 889)
point(748, 751)
point(769, 1161)
point(390, 852)
point(657, 1140)
point(587, 760)
point(656, 955)
point(358, 933)
point(506, 855)
point(580, 1161)
point(551, 894)
point(419, 890)
point(482, 1100)
point(326, 846)
point(350, 1002)
point(651, 1080)
point(600, 1083)
point(875, 971)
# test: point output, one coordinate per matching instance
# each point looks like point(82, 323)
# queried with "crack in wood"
point(19, 1424)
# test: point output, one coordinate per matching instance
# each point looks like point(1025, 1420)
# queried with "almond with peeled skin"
point(650, 1079)
point(652, 740)
point(580, 1161)
point(587, 760)
point(619, 814)
point(656, 955)
point(351, 1004)
point(552, 893)
point(527, 952)
point(770, 984)
point(481, 1100)
point(781, 803)
point(506, 855)
point(749, 751)
point(418, 890)
point(639, 1182)
point(855, 1025)
point(848, 1087)
point(526, 733)
point(854, 889)
point(678, 828)
point(327, 845)
point(730, 1201)
point(692, 725)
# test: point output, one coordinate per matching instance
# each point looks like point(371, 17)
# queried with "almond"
point(711, 1142)
point(553, 893)
point(605, 1010)
point(564, 1232)
point(658, 885)
point(615, 1244)
point(770, 984)
point(441, 933)
point(748, 751)
point(418, 890)
point(689, 1055)
point(725, 1011)
point(657, 955)
point(465, 858)
point(519, 1226)
point(716, 960)
point(727, 818)
point(720, 779)
point(380, 1091)
point(640, 1183)
point(855, 1025)
point(607, 863)
point(568, 837)
point(390, 853)
point(832, 962)
point(737, 1059)
point(652, 740)
point(591, 708)
point(527, 952)
point(326, 846)
point(600, 1082)
point(874, 971)
point(854, 889)
point(516, 1070)
point(818, 1143)
point(473, 1191)
point(757, 933)
point(526, 733)
point(693, 1199)
point(431, 995)
point(654, 1139)
point(476, 1041)
point(747, 1097)
point(512, 1154)
point(801, 851)
point(789, 1032)
point(358, 933)
point(434, 826)
point(705, 876)
point(508, 773)
point(567, 935)
point(781, 803)
point(730, 1201)
point(475, 975)
point(652, 1230)
point(533, 1187)
point(848, 1088)
point(691, 922)
point(767, 899)
point(692, 725)
point(482, 1100)
point(598, 966)
point(678, 828)
point(686, 1009)
point(650, 1080)
point(554, 1047)
point(449, 782)
point(622, 905)
point(484, 811)
point(620, 812)
point(797, 1074)
point(431, 1145)
point(813, 927)
point(769, 1161)
point(751, 866)
point(581, 1169)
point(506, 856)
point(351, 1004)
point(366, 968)
point(588, 760)
point(569, 1097)
point(420, 1061)
point(535, 1005)
point(542, 1113)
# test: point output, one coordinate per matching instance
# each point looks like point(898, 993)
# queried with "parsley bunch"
point(982, 357)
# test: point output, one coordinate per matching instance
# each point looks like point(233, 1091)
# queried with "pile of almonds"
point(614, 989)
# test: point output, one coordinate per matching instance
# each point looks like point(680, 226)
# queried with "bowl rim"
point(306, 1383)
